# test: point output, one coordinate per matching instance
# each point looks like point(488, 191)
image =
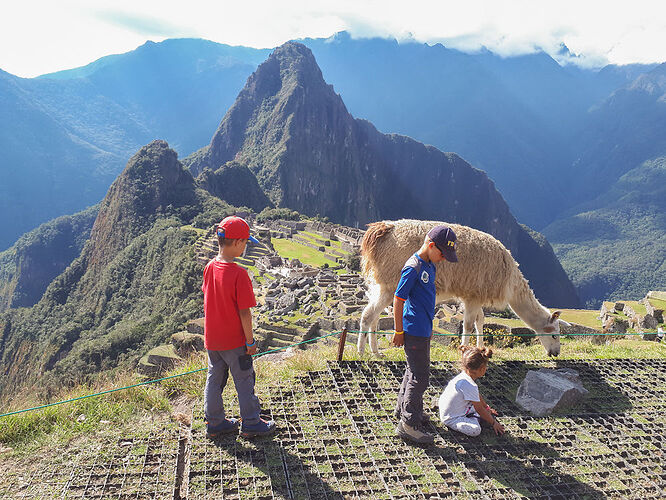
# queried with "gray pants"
point(219, 365)
point(415, 381)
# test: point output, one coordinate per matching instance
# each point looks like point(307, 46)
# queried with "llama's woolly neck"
point(525, 305)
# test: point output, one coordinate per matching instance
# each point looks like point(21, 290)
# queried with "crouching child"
point(461, 406)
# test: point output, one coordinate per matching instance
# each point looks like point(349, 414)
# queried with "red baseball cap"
point(235, 228)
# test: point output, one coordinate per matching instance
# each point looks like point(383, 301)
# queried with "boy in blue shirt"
point(413, 312)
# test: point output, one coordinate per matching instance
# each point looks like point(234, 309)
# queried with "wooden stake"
point(341, 343)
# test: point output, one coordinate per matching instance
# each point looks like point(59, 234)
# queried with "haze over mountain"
point(66, 136)
point(614, 245)
point(542, 132)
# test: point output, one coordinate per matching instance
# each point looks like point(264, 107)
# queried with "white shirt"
point(458, 396)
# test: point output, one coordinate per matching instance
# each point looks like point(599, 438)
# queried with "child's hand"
point(398, 339)
point(498, 428)
point(251, 349)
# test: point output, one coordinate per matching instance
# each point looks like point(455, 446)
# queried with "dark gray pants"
point(219, 365)
point(415, 381)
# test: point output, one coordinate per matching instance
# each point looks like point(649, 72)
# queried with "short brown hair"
point(223, 242)
point(474, 358)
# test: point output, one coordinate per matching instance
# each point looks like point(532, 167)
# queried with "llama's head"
point(550, 334)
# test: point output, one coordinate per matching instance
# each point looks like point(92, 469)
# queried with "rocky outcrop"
point(235, 184)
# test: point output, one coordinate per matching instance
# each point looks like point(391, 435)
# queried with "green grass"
point(56, 425)
point(583, 317)
point(61, 423)
point(293, 250)
point(636, 306)
point(658, 304)
point(513, 323)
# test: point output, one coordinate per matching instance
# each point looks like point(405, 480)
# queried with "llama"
point(485, 275)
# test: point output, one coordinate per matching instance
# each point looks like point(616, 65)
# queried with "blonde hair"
point(474, 358)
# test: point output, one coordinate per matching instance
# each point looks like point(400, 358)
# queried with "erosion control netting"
point(129, 467)
point(336, 439)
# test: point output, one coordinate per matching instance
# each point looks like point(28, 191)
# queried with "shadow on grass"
point(523, 466)
point(500, 384)
point(258, 468)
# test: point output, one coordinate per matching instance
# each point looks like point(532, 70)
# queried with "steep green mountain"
point(612, 246)
point(27, 268)
point(235, 184)
point(67, 135)
point(309, 154)
point(621, 133)
point(547, 134)
point(516, 118)
point(135, 282)
point(615, 246)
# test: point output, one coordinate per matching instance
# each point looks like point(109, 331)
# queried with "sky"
point(42, 36)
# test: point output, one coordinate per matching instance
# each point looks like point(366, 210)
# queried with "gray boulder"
point(544, 391)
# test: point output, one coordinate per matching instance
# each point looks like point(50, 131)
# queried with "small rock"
point(543, 391)
point(81, 419)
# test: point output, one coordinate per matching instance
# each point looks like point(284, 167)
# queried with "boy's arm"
point(407, 279)
point(398, 306)
point(246, 322)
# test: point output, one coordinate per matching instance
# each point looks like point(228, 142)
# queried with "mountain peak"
point(153, 183)
point(282, 86)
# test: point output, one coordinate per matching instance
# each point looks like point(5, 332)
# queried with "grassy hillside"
point(615, 247)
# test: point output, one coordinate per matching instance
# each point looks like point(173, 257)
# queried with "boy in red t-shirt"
point(228, 297)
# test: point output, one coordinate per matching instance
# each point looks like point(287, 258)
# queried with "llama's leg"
point(370, 318)
point(469, 318)
point(479, 328)
point(385, 300)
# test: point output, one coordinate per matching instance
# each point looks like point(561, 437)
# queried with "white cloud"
point(39, 36)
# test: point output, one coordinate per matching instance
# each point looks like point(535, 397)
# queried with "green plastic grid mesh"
point(336, 440)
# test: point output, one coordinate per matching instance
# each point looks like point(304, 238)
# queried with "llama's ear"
point(554, 316)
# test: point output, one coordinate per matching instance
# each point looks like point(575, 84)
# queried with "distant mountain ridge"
point(67, 135)
point(292, 131)
point(546, 134)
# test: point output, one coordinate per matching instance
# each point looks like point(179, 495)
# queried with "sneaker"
point(227, 427)
point(414, 434)
point(261, 428)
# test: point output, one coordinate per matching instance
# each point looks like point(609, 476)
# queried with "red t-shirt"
point(227, 289)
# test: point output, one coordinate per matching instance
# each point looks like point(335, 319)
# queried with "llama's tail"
point(374, 233)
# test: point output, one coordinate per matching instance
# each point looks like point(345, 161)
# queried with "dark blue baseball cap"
point(445, 239)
